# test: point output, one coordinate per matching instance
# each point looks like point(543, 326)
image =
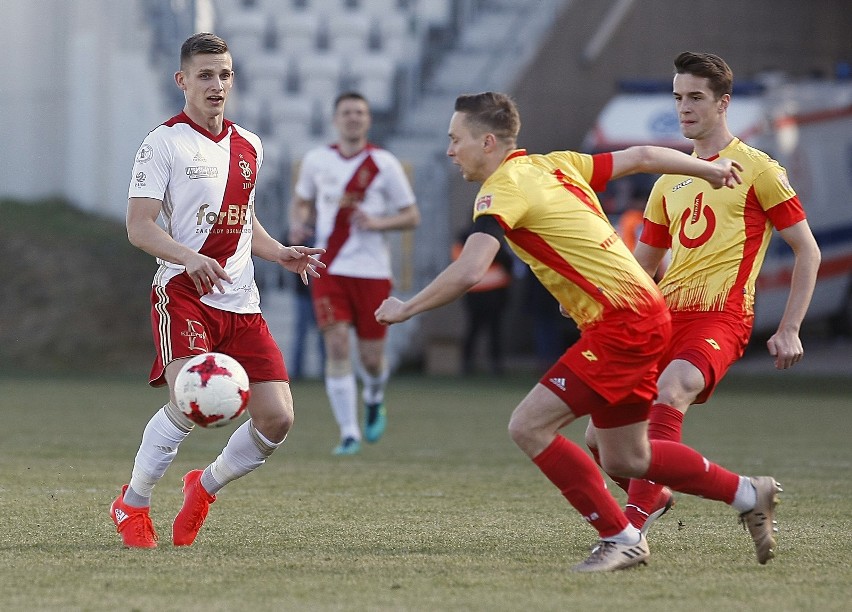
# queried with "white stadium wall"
point(80, 95)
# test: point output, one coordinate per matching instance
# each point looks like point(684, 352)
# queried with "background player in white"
point(198, 171)
point(351, 192)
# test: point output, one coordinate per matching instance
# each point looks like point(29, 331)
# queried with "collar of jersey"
point(204, 131)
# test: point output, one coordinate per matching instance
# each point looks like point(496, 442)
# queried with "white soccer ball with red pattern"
point(212, 389)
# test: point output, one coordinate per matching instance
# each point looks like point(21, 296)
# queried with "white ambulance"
point(807, 127)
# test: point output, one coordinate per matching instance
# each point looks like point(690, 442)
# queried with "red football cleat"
point(196, 503)
point(132, 523)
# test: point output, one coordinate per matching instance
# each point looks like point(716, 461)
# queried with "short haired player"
point(198, 171)
point(351, 194)
point(717, 239)
point(546, 208)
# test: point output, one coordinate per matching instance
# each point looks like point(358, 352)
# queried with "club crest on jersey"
point(145, 154)
point(782, 178)
point(483, 203)
point(245, 169)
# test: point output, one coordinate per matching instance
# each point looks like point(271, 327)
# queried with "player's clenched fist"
point(391, 310)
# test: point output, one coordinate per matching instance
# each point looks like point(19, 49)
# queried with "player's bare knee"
point(275, 428)
point(591, 437)
point(373, 364)
point(336, 368)
point(623, 465)
point(516, 430)
point(522, 435)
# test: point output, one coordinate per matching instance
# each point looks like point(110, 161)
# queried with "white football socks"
point(628, 536)
point(374, 386)
point(246, 450)
point(746, 496)
point(158, 448)
point(342, 393)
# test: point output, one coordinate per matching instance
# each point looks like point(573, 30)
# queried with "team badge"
point(785, 182)
point(245, 169)
point(483, 203)
point(145, 154)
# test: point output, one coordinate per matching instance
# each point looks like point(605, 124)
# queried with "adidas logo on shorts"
point(558, 382)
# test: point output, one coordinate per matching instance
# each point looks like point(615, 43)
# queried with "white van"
point(807, 127)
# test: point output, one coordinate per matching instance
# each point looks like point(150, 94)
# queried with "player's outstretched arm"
point(662, 160)
point(478, 253)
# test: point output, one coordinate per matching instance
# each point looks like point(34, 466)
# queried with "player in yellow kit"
point(546, 209)
point(718, 239)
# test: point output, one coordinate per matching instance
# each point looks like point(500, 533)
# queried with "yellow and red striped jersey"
point(555, 224)
point(719, 237)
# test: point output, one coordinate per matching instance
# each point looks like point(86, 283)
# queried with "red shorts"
point(184, 326)
point(711, 341)
point(344, 299)
point(611, 371)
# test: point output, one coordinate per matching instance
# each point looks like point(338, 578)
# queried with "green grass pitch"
point(443, 514)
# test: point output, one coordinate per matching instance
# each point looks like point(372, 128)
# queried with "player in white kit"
point(198, 171)
point(350, 193)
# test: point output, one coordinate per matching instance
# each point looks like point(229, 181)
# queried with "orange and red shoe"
point(132, 523)
point(196, 503)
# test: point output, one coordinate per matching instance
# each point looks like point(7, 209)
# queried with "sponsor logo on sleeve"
point(483, 203)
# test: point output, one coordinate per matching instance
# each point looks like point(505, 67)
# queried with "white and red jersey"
point(372, 181)
point(206, 184)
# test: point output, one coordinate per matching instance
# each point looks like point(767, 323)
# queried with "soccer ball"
point(212, 389)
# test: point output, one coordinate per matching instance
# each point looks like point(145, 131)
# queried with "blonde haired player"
point(546, 208)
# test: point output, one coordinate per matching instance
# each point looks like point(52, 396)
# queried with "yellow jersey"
point(719, 237)
point(555, 224)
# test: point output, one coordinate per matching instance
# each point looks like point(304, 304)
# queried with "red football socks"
point(686, 470)
point(581, 483)
point(666, 423)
